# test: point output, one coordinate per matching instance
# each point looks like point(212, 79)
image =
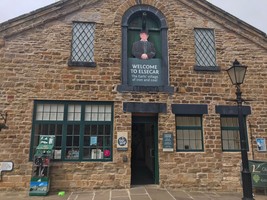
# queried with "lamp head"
point(237, 73)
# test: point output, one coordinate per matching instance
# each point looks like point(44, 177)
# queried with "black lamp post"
point(237, 74)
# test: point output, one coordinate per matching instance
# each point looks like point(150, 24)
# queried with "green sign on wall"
point(144, 72)
point(258, 171)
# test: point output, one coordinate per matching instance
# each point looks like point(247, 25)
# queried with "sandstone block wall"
point(34, 67)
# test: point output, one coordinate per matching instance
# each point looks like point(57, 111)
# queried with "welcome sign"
point(258, 171)
point(144, 72)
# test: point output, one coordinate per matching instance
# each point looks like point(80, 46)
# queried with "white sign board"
point(261, 144)
point(6, 167)
point(122, 141)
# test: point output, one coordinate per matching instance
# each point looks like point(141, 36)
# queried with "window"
point(205, 49)
point(189, 133)
point(83, 130)
point(230, 133)
point(82, 49)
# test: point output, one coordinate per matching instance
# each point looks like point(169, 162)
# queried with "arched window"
point(135, 19)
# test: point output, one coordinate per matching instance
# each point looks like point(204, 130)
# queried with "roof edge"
point(40, 16)
point(236, 25)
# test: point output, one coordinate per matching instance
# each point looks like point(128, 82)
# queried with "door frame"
point(145, 119)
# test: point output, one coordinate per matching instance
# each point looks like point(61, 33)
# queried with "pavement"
point(136, 193)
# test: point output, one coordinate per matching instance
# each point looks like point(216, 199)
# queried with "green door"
point(144, 158)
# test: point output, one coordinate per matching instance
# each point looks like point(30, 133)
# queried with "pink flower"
point(106, 153)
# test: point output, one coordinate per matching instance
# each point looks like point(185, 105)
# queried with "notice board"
point(167, 142)
point(258, 171)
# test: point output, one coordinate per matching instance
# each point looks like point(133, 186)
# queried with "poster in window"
point(93, 140)
point(57, 154)
point(261, 144)
point(96, 154)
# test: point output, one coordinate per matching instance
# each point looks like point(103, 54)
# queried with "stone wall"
point(34, 67)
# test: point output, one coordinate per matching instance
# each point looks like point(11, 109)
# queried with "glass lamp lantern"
point(237, 73)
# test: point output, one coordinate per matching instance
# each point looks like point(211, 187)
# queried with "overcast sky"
point(254, 12)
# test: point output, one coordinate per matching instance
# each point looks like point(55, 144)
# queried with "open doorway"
point(144, 158)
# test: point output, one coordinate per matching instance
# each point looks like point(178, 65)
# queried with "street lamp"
point(237, 74)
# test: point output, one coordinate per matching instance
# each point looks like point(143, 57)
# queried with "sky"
point(252, 12)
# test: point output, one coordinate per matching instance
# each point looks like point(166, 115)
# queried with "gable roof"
point(41, 16)
point(65, 7)
point(227, 20)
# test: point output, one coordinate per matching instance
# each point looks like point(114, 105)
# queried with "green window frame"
point(230, 133)
point(82, 46)
point(189, 134)
point(83, 130)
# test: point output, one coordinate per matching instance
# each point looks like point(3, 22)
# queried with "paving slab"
point(140, 197)
point(83, 196)
point(180, 194)
point(159, 194)
point(135, 193)
point(119, 193)
point(225, 195)
point(102, 195)
point(138, 190)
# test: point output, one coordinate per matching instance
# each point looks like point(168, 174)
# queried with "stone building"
point(67, 70)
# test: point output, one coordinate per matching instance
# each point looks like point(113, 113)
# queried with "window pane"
point(46, 112)
point(98, 144)
point(180, 144)
point(88, 112)
point(101, 117)
point(98, 113)
point(39, 112)
point(188, 121)
point(74, 113)
point(93, 129)
point(73, 142)
point(189, 133)
point(53, 115)
point(48, 129)
point(60, 112)
point(205, 47)
point(230, 133)
point(101, 108)
point(108, 141)
point(199, 144)
point(229, 121)
point(83, 42)
point(107, 130)
point(49, 112)
point(94, 113)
